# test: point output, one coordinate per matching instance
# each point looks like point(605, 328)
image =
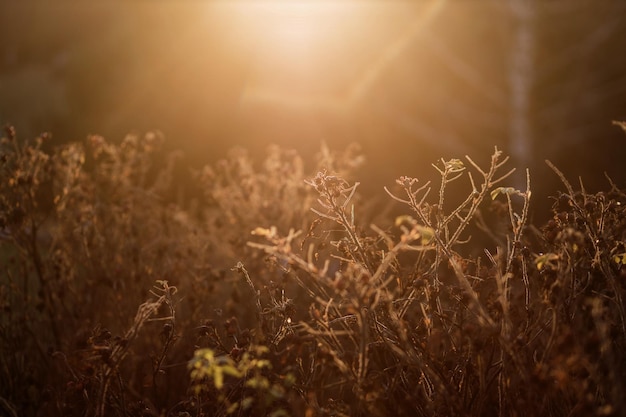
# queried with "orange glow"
point(322, 54)
point(292, 29)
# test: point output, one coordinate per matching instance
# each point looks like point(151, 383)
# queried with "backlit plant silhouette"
point(261, 287)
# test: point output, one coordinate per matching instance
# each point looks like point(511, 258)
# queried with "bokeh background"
point(410, 81)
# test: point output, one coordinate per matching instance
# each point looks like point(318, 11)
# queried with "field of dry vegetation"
point(271, 289)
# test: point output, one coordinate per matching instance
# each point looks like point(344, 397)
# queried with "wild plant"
point(277, 295)
point(581, 270)
point(373, 302)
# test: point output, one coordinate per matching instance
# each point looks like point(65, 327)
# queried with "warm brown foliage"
point(269, 294)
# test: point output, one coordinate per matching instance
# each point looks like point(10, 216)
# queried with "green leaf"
point(405, 219)
point(290, 379)
point(259, 382)
point(218, 378)
point(542, 260)
point(503, 190)
point(620, 258)
point(426, 233)
point(454, 165)
point(260, 349)
point(200, 355)
point(262, 363)
point(231, 370)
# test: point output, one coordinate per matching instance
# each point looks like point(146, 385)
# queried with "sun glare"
point(321, 53)
point(292, 27)
point(297, 48)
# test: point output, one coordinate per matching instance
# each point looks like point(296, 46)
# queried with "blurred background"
point(410, 81)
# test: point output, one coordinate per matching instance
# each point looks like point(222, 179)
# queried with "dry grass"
point(269, 293)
